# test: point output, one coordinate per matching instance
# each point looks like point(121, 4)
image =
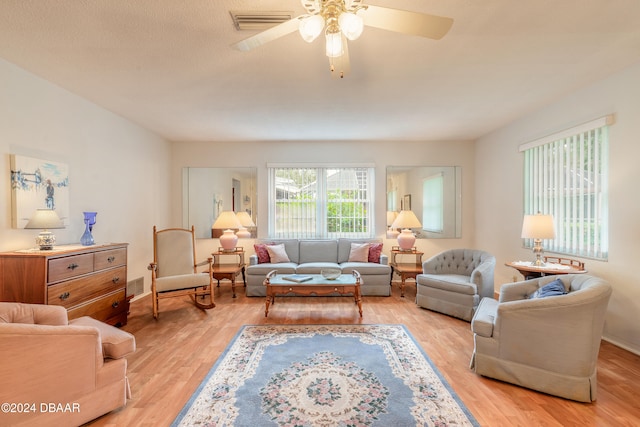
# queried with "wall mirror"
point(433, 193)
point(206, 192)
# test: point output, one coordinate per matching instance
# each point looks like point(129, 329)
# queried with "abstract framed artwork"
point(38, 184)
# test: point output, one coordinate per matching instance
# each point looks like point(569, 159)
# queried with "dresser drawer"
point(106, 308)
point(110, 258)
point(71, 266)
point(76, 291)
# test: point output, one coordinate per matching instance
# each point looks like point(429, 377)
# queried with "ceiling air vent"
point(260, 20)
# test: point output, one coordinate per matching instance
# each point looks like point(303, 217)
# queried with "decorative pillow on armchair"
point(277, 254)
point(375, 250)
point(359, 252)
point(549, 290)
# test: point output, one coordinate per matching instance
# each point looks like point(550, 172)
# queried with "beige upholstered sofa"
point(454, 281)
point(311, 256)
point(59, 372)
point(548, 344)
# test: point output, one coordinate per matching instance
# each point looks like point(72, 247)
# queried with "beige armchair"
point(59, 372)
point(547, 344)
point(454, 281)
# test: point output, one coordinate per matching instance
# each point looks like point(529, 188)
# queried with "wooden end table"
point(318, 285)
point(229, 271)
point(405, 270)
point(554, 266)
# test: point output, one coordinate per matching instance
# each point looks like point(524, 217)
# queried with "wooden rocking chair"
point(174, 269)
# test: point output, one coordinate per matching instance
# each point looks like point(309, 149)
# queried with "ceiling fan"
point(343, 20)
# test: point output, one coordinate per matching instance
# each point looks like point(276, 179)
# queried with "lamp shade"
point(44, 219)
point(406, 219)
point(391, 216)
point(311, 27)
point(351, 25)
point(245, 219)
point(538, 226)
point(226, 220)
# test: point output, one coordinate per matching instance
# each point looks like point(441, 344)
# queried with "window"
point(566, 175)
point(433, 203)
point(320, 202)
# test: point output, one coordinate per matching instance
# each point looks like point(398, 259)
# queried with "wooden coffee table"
point(345, 284)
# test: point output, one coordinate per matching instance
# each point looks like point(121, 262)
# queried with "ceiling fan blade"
point(269, 35)
point(340, 67)
point(403, 21)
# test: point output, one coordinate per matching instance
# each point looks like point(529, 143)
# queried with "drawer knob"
point(65, 296)
point(115, 304)
point(111, 259)
point(72, 266)
point(116, 279)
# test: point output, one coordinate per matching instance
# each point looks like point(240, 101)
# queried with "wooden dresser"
point(86, 280)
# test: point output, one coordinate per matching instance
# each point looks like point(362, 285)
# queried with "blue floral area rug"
point(324, 375)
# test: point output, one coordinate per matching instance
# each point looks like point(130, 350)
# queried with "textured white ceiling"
point(168, 65)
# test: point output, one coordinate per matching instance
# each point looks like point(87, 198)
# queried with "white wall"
point(115, 167)
point(381, 154)
point(499, 194)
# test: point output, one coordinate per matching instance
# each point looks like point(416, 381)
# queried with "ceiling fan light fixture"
point(311, 27)
point(351, 25)
point(334, 47)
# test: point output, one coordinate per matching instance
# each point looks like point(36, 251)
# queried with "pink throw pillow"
point(375, 250)
point(359, 252)
point(262, 253)
point(277, 254)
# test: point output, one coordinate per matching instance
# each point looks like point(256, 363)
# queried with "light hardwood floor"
point(175, 353)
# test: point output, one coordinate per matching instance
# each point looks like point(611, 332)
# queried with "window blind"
point(567, 177)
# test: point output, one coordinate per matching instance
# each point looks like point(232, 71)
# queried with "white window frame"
point(314, 223)
point(566, 175)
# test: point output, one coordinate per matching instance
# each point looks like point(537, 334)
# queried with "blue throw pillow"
point(550, 289)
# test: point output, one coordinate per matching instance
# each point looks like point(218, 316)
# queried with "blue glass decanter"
point(89, 221)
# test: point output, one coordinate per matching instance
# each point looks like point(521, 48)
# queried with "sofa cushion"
point(264, 269)
point(315, 267)
point(318, 251)
point(277, 254)
point(375, 250)
point(549, 290)
point(365, 268)
point(344, 247)
point(359, 252)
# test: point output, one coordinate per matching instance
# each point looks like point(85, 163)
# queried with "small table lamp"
point(391, 233)
point(227, 221)
point(406, 220)
point(245, 222)
point(45, 219)
point(538, 227)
